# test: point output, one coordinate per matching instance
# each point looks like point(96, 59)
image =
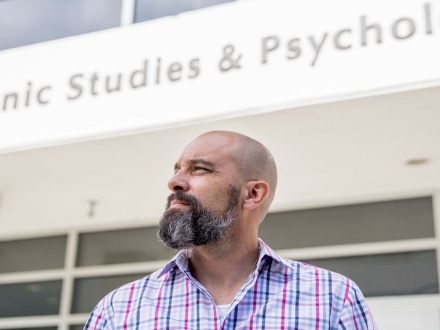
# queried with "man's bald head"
point(254, 162)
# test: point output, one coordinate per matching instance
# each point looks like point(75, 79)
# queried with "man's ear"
point(256, 193)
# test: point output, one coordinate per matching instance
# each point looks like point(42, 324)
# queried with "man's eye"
point(197, 168)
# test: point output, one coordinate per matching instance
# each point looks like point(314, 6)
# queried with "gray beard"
point(197, 226)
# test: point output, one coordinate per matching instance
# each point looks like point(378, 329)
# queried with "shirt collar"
point(267, 252)
point(180, 260)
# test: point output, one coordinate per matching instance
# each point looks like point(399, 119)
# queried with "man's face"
point(206, 193)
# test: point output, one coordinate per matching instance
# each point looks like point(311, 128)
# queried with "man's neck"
point(222, 268)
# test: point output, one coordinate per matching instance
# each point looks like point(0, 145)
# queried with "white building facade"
point(345, 95)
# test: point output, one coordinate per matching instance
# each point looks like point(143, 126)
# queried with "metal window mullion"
point(127, 12)
point(119, 269)
point(68, 279)
point(78, 319)
point(28, 322)
point(436, 211)
point(33, 276)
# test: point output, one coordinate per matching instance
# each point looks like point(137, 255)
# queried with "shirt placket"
point(250, 282)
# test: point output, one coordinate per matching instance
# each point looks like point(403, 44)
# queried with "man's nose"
point(178, 183)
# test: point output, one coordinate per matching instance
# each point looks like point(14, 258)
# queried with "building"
point(345, 96)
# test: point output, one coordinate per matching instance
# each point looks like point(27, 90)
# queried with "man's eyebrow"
point(196, 161)
point(200, 161)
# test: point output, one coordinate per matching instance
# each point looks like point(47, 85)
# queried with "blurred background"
point(99, 97)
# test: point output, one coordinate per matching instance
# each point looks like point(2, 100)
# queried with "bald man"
point(224, 277)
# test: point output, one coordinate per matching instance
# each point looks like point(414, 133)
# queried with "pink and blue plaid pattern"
point(280, 294)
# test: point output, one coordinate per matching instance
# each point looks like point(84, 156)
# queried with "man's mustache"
point(181, 196)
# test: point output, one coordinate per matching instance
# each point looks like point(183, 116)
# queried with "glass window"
point(30, 299)
point(349, 224)
point(25, 22)
point(150, 9)
point(32, 254)
point(40, 328)
point(89, 291)
point(121, 246)
point(408, 273)
point(77, 327)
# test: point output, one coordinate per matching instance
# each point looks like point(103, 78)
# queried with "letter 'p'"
point(269, 44)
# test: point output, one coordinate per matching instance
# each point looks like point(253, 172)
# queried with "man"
point(224, 277)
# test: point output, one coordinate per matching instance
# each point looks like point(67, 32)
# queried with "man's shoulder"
point(306, 272)
point(310, 279)
point(115, 305)
point(303, 272)
point(134, 290)
point(311, 270)
point(345, 302)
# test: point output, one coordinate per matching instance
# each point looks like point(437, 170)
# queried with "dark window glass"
point(76, 327)
point(32, 254)
point(121, 246)
point(25, 22)
point(150, 9)
point(41, 328)
point(361, 223)
point(408, 273)
point(89, 291)
point(30, 299)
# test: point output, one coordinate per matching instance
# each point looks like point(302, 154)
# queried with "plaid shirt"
point(279, 294)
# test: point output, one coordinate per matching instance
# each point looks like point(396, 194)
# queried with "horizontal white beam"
point(348, 250)
point(35, 276)
point(77, 318)
point(28, 321)
point(106, 270)
point(41, 321)
point(120, 269)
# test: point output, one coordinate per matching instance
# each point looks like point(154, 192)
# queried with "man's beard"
point(182, 229)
